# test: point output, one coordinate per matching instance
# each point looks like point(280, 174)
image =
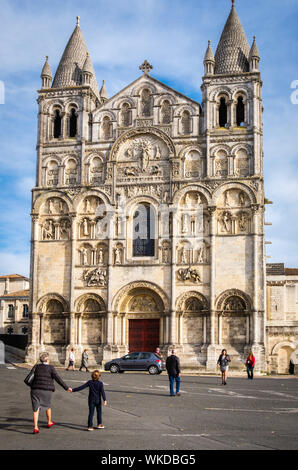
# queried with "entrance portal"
point(143, 335)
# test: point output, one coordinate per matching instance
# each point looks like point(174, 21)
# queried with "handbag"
point(30, 377)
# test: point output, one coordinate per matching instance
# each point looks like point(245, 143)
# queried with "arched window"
point(186, 122)
point(143, 231)
point(240, 112)
point(146, 102)
point(125, 115)
point(223, 113)
point(57, 124)
point(165, 112)
point(73, 123)
point(106, 128)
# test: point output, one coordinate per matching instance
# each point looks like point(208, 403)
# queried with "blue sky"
point(120, 34)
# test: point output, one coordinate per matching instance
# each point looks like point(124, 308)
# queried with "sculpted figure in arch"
point(51, 206)
point(84, 255)
point(226, 222)
point(242, 198)
point(85, 227)
point(118, 255)
point(48, 230)
point(101, 255)
point(64, 229)
point(87, 205)
point(242, 221)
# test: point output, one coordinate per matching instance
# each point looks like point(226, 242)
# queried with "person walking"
point(96, 392)
point(250, 364)
point(71, 360)
point(223, 362)
point(42, 388)
point(84, 362)
point(174, 372)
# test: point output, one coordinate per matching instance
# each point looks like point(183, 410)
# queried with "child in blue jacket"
point(96, 391)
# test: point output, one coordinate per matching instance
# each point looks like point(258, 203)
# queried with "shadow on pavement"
point(11, 424)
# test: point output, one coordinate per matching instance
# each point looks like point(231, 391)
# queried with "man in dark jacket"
point(173, 369)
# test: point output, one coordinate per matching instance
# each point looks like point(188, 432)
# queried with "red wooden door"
point(143, 335)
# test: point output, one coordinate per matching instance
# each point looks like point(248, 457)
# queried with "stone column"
point(219, 329)
point(205, 329)
point(211, 350)
point(72, 329)
point(247, 330)
point(79, 330)
point(255, 209)
point(41, 328)
point(180, 339)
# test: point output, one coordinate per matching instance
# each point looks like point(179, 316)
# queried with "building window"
point(107, 128)
point(143, 231)
point(57, 124)
point(166, 112)
point(186, 122)
point(125, 115)
point(223, 113)
point(73, 123)
point(10, 311)
point(240, 112)
point(25, 311)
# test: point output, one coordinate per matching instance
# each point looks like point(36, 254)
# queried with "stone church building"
point(148, 211)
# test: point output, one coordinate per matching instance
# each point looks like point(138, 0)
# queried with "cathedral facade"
point(148, 212)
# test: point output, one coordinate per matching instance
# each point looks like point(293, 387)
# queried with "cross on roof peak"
point(146, 67)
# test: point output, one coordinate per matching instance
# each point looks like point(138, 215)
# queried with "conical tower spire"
point(209, 60)
point(46, 74)
point(70, 68)
point(103, 92)
point(233, 50)
point(254, 57)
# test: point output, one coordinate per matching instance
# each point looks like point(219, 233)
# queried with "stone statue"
point(226, 222)
point(51, 206)
point(48, 231)
point(101, 256)
point(84, 253)
point(85, 227)
point(118, 256)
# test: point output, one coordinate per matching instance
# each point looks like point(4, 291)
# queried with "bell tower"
point(233, 130)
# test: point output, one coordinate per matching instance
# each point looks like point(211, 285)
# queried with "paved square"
point(259, 414)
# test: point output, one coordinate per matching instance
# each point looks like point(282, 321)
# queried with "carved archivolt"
point(45, 197)
point(43, 302)
point(86, 303)
point(132, 133)
point(231, 186)
point(181, 303)
point(227, 300)
point(283, 344)
point(147, 287)
point(182, 192)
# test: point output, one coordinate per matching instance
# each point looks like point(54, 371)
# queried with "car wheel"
point(114, 369)
point(153, 370)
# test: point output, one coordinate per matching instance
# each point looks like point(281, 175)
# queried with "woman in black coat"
point(42, 388)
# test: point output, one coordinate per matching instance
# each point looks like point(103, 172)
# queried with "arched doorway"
point(142, 313)
point(54, 331)
point(91, 317)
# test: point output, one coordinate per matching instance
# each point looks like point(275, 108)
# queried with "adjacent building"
point(282, 317)
point(14, 305)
